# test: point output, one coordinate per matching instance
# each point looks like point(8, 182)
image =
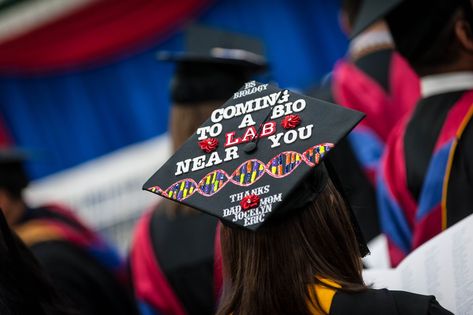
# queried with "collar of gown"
point(369, 40)
point(446, 82)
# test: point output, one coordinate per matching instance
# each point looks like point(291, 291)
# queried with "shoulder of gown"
point(384, 301)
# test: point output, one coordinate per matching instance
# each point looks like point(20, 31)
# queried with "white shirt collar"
point(446, 82)
point(370, 39)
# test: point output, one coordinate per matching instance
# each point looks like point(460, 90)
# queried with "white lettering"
point(214, 159)
point(247, 121)
point(216, 115)
point(308, 132)
point(182, 167)
point(202, 132)
point(290, 136)
point(198, 163)
point(278, 111)
point(229, 112)
point(298, 105)
point(275, 140)
point(231, 154)
point(215, 130)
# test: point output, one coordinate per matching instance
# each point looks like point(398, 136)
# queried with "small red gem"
point(249, 202)
point(208, 145)
point(291, 121)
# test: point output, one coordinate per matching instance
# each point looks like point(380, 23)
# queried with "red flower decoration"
point(208, 145)
point(249, 202)
point(291, 121)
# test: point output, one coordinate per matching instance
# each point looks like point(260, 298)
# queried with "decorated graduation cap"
point(257, 157)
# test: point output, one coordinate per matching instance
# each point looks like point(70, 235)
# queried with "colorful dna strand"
point(246, 174)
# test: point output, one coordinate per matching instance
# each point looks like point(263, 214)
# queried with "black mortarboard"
point(214, 65)
point(415, 25)
point(414, 17)
point(210, 45)
point(372, 11)
point(223, 169)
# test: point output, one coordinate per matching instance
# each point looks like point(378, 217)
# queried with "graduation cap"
point(257, 157)
point(417, 26)
point(214, 65)
point(372, 11)
point(210, 45)
point(421, 20)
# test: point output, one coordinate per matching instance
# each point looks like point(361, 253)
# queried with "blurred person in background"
point(24, 286)
point(375, 79)
point(425, 182)
point(83, 268)
point(172, 256)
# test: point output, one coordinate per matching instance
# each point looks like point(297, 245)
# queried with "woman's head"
point(271, 269)
point(434, 36)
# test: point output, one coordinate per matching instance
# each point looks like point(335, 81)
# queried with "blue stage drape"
point(69, 118)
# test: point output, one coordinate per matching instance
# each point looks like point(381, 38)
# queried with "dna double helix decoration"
point(246, 174)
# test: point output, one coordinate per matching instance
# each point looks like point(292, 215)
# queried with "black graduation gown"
point(359, 190)
point(385, 302)
point(184, 249)
point(91, 288)
point(420, 138)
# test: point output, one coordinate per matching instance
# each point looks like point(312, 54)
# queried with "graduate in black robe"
point(24, 286)
point(172, 256)
point(82, 267)
point(426, 177)
point(390, 90)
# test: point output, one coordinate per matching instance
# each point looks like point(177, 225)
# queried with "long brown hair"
point(271, 271)
point(184, 119)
